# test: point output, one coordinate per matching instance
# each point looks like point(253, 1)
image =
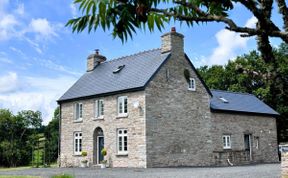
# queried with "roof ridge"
point(135, 54)
point(236, 92)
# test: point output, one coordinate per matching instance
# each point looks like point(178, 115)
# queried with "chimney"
point(172, 42)
point(94, 59)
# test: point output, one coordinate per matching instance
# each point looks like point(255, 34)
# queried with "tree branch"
point(284, 11)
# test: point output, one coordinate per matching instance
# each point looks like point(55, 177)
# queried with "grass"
point(6, 176)
point(14, 168)
point(63, 176)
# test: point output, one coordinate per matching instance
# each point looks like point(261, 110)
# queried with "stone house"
point(152, 109)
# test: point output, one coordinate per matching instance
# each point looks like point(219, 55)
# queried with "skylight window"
point(119, 68)
point(223, 100)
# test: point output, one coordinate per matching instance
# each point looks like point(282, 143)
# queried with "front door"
point(248, 145)
point(100, 146)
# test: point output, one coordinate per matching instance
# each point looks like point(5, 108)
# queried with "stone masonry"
point(172, 126)
point(135, 123)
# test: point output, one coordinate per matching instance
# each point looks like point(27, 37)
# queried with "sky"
point(40, 58)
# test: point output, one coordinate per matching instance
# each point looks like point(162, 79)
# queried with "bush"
point(84, 153)
point(62, 176)
point(104, 152)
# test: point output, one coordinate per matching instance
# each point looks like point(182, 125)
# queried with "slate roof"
point(138, 70)
point(239, 102)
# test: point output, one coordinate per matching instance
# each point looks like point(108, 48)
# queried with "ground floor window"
point(77, 143)
point(122, 137)
point(226, 141)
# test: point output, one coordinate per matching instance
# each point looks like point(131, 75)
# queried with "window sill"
point(78, 121)
point(77, 155)
point(227, 148)
point(99, 118)
point(122, 154)
point(122, 116)
point(189, 89)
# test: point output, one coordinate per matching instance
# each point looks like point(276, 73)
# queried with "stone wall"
point(135, 123)
point(284, 164)
point(178, 120)
point(262, 130)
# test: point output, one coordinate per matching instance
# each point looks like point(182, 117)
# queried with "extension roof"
point(239, 102)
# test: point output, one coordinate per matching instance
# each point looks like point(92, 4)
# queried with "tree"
point(52, 135)
point(126, 16)
point(14, 136)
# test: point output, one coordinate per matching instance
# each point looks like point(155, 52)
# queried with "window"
point(122, 141)
point(226, 141)
point(192, 85)
point(79, 111)
point(99, 108)
point(122, 106)
point(77, 143)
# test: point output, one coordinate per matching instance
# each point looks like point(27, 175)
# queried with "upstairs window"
point(99, 108)
point(192, 84)
point(122, 106)
point(122, 145)
point(77, 143)
point(78, 111)
point(226, 141)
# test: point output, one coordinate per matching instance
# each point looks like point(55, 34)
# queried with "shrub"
point(84, 153)
point(104, 152)
point(62, 176)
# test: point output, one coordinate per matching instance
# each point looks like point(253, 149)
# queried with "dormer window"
point(192, 84)
point(119, 68)
point(223, 100)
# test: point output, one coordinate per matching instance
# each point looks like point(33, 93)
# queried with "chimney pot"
point(94, 60)
point(173, 29)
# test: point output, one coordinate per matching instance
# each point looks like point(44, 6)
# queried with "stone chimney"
point(94, 59)
point(172, 42)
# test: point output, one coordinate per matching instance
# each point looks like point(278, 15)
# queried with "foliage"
point(51, 133)
point(249, 73)
point(104, 152)
point(84, 153)
point(126, 16)
point(14, 136)
point(63, 176)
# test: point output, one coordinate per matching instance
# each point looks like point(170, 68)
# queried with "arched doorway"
point(98, 139)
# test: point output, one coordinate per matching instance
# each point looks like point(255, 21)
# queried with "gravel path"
point(251, 171)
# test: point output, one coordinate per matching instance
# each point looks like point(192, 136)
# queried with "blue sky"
point(40, 58)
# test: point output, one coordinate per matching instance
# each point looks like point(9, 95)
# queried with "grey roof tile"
point(239, 102)
point(139, 68)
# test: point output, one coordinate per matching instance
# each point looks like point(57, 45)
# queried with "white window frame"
point(99, 108)
point(79, 106)
point(121, 134)
point(226, 141)
point(121, 106)
point(192, 84)
point(77, 144)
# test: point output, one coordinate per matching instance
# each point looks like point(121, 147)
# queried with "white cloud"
point(73, 9)
point(35, 93)
point(228, 43)
point(42, 27)
point(49, 64)
point(5, 60)
point(9, 82)
point(20, 9)
point(7, 26)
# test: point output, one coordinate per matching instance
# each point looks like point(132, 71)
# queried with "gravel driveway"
point(251, 171)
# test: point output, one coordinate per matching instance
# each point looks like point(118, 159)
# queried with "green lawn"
point(6, 176)
point(14, 168)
